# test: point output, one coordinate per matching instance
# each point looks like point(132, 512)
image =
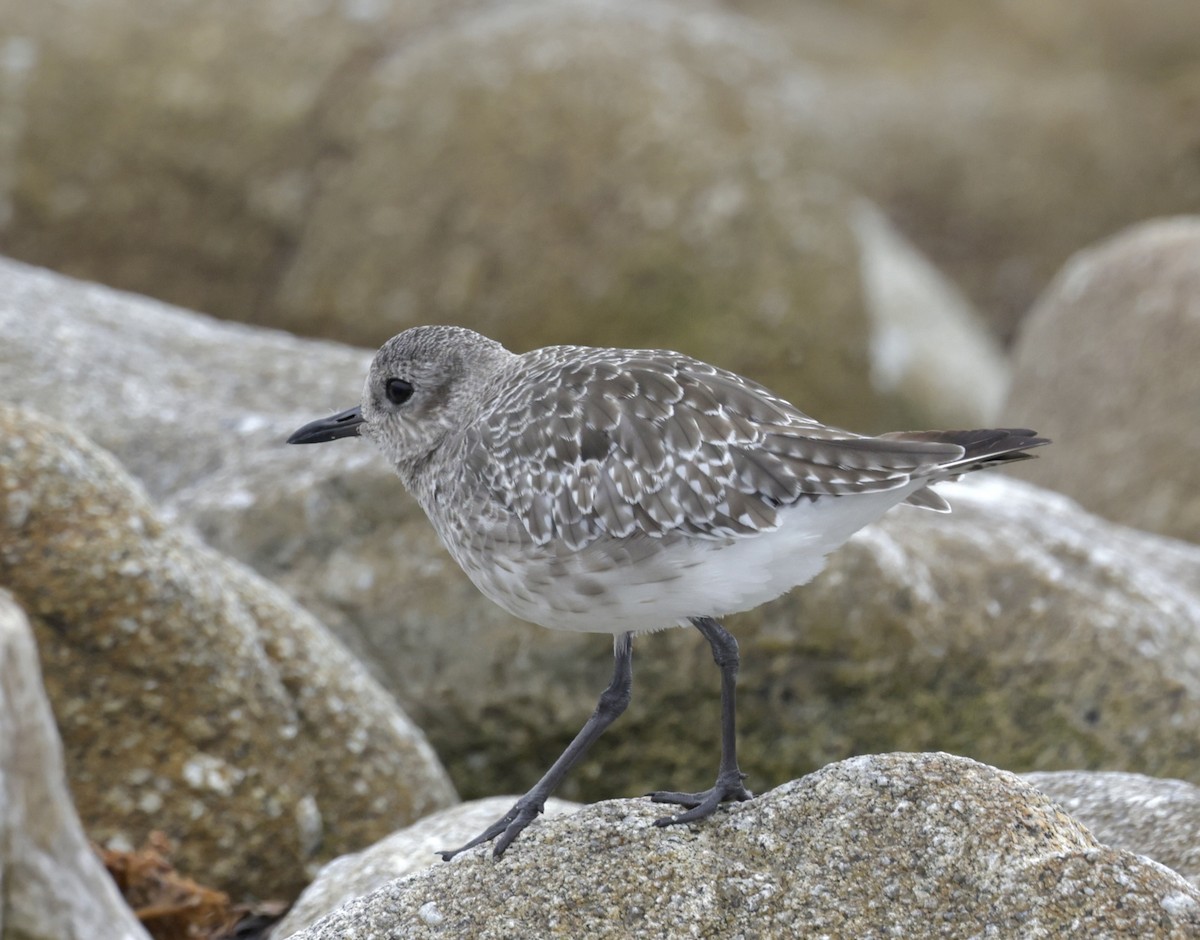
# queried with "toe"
point(677, 797)
point(503, 830)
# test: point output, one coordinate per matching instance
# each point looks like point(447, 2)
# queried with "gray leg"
point(729, 778)
point(613, 701)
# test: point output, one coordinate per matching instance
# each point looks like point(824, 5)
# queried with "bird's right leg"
point(613, 701)
point(728, 787)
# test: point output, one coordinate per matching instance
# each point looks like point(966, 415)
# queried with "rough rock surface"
point(192, 696)
point(181, 399)
point(400, 854)
point(1156, 818)
point(1018, 630)
point(1106, 364)
point(602, 170)
point(890, 845)
point(52, 884)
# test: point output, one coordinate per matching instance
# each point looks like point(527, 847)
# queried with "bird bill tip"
point(343, 424)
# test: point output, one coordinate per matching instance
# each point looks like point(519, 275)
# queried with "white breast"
point(675, 580)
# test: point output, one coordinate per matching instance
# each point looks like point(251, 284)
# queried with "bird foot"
point(504, 829)
point(727, 789)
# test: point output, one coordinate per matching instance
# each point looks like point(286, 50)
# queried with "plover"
point(622, 491)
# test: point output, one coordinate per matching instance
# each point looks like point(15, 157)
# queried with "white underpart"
point(693, 578)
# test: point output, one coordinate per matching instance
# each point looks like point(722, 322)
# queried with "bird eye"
point(398, 391)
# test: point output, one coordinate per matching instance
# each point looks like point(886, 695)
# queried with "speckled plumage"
point(621, 490)
point(598, 489)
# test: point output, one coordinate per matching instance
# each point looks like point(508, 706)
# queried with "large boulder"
point(1019, 630)
point(575, 162)
point(188, 404)
point(1157, 818)
point(193, 696)
point(1133, 812)
point(204, 127)
point(1002, 137)
point(1107, 366)
point(605, 173)
point(52, 885)
point(890, 845)
point(540, 170)
point(612, 172)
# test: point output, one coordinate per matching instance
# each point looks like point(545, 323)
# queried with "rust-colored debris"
point(173, 907)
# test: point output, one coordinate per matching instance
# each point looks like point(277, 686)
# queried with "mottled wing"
point(585, 443)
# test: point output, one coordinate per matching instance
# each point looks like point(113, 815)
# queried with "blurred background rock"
point(600, 171)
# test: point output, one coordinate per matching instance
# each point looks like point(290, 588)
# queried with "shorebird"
point(622, 491)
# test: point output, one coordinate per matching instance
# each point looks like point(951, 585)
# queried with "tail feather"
point(983, 447)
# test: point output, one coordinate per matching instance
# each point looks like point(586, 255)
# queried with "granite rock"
point(1106, 364)
point(1148, 815)
point(889, 845)
point(193, 696)
point(402, 853)
point(1018, 630)
point(52, 884)
point(1001, 137)
point(204, 128)
point(606, 171)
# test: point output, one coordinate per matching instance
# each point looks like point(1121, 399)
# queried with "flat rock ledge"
point(885, 845)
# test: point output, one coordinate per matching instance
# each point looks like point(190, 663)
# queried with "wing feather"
point(581, 444)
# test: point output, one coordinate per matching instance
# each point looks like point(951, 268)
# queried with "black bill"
point(343, 424)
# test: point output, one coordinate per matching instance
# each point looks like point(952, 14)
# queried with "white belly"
point(600, 590)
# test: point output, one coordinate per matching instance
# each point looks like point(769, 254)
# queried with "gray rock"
point(928, 345)
point(192, 696)
point(180, 398)
point(205, 128)
point(1156, 818)
point(207, 156)
point(611, 173)
point(52, 884)
point(1002, 137)
point(1019, 630)
point(1106, 364)
point(400, 854)
point(890, 845)
point(1148, 816)
point(198, 410)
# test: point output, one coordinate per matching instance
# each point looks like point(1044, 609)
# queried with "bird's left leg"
point(728, 787)
point(613, 701)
